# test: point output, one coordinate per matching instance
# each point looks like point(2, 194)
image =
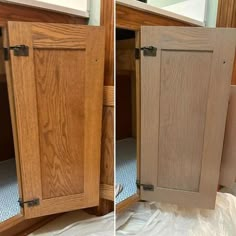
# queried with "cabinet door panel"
point(228, 163)
point(184, 97)
point(58, 92)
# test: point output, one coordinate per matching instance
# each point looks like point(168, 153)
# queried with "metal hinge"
point(6, 54)
point(18, 50)
point(146, 187)
point(137, 53)
point(149, 51)
point(31, 203)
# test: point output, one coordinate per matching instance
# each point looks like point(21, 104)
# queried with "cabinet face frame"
point(135, 197)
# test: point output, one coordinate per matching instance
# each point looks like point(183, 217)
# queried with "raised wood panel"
point(11, 12)
point(133, 19)
point(50, 82)
point(61, 142)
point(193, 147)
point(228, 162)
point(182, 123)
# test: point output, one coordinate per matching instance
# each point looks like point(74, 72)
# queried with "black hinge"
point(20, 50)
point(137, 53)
point(149, 51)
point(146, 187)
point(31, 203)
point(6, 54)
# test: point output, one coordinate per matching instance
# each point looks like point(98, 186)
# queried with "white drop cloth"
point(157, 219)
point(78, 223)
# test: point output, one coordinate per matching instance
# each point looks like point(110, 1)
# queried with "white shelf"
point(158, 11)
point(52, 6)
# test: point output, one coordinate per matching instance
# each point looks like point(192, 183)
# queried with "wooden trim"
point(127, 203)
point(107, 20)
point(133, 19)
point(226, 16)
point(107, 192)
point(108, 96)
point(11, 222)
point(17, 225)
point(12, 12)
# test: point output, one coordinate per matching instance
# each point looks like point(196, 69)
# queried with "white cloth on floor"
point(152, 219)
point(78, 223)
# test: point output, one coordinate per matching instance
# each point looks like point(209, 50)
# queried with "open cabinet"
point(55, 88)
point(184, 94)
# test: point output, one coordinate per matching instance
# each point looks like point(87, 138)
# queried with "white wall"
point(94, 10)
point(194, 9)
point(75, 4)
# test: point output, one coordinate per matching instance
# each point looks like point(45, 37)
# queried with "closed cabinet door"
point(185, 88)
point(57, 78)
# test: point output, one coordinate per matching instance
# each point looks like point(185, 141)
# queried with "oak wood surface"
point(127, 203)
point(61, 142)
point(128, 18)
point(108, 96)
point(226, 15)
point(107, 192)
point(228, 162)
point(173, 42)
point(13, 12)
point(26, 99)
point(107, 20)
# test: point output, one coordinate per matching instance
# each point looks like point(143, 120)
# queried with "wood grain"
point(182, 118)
point(12, 12)
point(127, 203)
point(107, 192)
point(226, 15)
point(17, 225)
point(228, 162)
point(61, 121)
point(58, 36)
point(107, 20)
point(108, 96)
point(207, 127)
point(107, 160)
point(31, 123)
point(128, 18)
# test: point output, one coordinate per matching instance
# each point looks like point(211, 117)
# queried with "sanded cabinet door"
point(58, 94)
point(184, 98)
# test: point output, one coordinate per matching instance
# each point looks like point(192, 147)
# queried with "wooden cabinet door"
point(184, 98)
point(228, 162)
point(58, 94)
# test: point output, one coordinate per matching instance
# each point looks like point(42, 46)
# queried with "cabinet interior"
point(126, 131)
point(8, 178)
